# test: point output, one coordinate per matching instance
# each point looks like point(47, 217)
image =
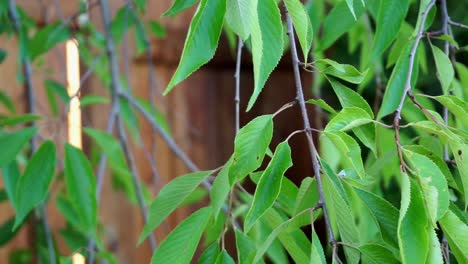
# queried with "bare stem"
point(310, 141)
point(27, 71)
point(407, 89)
point(457, 24)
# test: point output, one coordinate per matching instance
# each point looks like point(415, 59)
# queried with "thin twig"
point(310, 141)
point(27, 70)
point(407, 89)
point(284, 107)
point(451, 22)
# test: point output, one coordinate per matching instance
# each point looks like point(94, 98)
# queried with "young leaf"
point(46, 38)
point(110, 146)
point(433, 184)
point(339, 21)
point(321, 103)
point(180, 245)
point(458, 107)
point(396, 84)
point(179, 6)
point(343, 71)
point(81, 186)
point(88, 100)
point(384, 212)
point(239, 15)
point(349, 98)
point(250, 146)
point(202, 40)
point(445, 71)
point(224, 258)
point(316, 252)
point(220, 189)
point(245, 246)
point(348, 118)
point(376, 254)
point(349, 149)
point(169, 198)
point(14, 120)
point(269, 186)
point(13, 142)
point(267, 43)
point(302, 25)
point(413, 224)
point(456, 233)
point(209, 255)
point(11, 174)
point(391, 16)
point(33, 186)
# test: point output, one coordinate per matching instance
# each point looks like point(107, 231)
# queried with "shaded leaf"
point(455, 105)
point(348, 118)
point(224, 258)
point(445, 71)
point(11, 143)
point(239, 15)
point(209, 255)
point(376, 254)
point(269, 186)
point(220, 189)
point(302, 25)
point(46, 38)
point(33, 186)
point(13, 120)
point(157, 29)
point(349, 149)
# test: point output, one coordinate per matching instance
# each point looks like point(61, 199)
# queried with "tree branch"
point(27, 71)
point(310, 141)
point(407, 89)
point(240, 44)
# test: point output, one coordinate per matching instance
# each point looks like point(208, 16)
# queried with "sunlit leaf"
point(179, 6)
point(302, 25)
point(445, 71)
point(456, 233)
point(239, 15)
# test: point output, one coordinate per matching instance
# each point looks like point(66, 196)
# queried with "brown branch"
point(310, 141)
point(407, 89)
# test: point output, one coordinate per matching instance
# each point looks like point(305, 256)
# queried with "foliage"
point(406, 57)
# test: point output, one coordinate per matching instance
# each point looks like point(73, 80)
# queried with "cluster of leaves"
point(391, 196)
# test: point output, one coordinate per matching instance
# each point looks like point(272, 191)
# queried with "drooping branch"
point(407, 88)
point(27, 71)
point(312, 149)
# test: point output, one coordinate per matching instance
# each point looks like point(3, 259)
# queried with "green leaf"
point(340, 212)
point(348, 118)
point(88, 100)
point(456, 233)
point(245, 246)
point(391, 16)
point(343, 71)
point(13, 120)
point(458, 107)
point(351, 7)
point(250, 146)
point(180, 245)
point(157, 29)
point(321, 103)
point(3, 55)
point(339, 21)
point(110, 146)
point(316, 252)
point(81, 186)
point(6, 101)
point(10, 175)
point(376, 254)
point(140, 4)
point(396, 84)
point(179, 6)
point(69, 211)
point(435, 250)
point(209, 255)
point(46, 38)
point(11, 143)
point(220, 189)
point(239, 15)
point(269, 186)
point(383, 211)
point(460, 154)
point(169, 198)
point(6, 232)
point(413, 238)
point(307, 196)
point(349, 98)
point(432, 183)
point(121, 23)
point(445, 71)
point(202, 40)
point(302, 25)
point(33, 186)
point(350, 150)
point(267, 43)
point(224, 258)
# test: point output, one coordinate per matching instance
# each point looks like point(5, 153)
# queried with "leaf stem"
point(310, 141)
point(407, 90)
